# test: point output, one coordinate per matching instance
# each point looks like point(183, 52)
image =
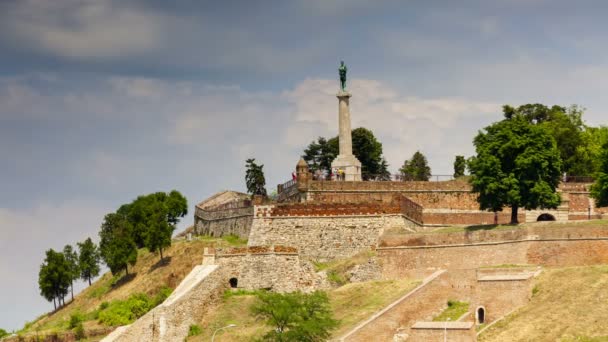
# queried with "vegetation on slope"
point(569, 304)
point(350, 304)
point(112, 298)
point(453, 312)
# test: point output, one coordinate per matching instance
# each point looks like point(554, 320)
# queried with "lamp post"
point(216, 330)
point(589, 213)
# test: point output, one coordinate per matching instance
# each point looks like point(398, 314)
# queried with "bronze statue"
point(342, 71)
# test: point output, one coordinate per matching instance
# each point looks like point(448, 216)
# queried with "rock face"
point(365, 272)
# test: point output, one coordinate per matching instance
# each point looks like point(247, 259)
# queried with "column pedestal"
point(346, 161)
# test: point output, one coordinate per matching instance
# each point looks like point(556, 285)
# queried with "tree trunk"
point(514, 214)
point(89, 281)
point(54, 305)
point(161, 254)
point(127, 269)
point(72, 286)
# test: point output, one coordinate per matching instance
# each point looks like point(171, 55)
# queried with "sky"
point(104, 100)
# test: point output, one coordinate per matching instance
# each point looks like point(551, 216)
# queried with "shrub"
point(336, 278)
point(79, 333)
point(75, 319)
point(194, 330)
point(103, 306)
point(162, 294)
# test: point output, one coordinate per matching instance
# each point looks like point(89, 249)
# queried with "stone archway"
point(545, 217)
point(233, 282)
point(480, 315)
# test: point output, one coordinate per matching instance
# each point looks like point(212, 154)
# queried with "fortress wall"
point(235, 220)
point(325, 237)
point(454, 217)
point(415, 261)
point(388, 186)
point(479, 236)
point(276, 268)
point(501, 296)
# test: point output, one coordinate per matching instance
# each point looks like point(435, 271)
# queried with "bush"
point(122, 312)
point(3, 333)
point(79, 333)
point(75, 319)
point(162, 294)
point(194, 330)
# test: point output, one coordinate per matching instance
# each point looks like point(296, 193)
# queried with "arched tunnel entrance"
point(481, 315)
point(545, 217)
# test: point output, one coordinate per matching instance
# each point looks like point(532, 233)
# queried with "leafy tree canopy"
point(416, 169)
point(295, 316)
point(254, 178)
point(54, 277)
point(88, 260)
point(599, 190)
point(319, 154)
point(459, 166)
point(117, 246)
point(517, 165)
point(3, 333)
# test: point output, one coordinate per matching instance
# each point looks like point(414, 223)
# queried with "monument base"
point(350, 165)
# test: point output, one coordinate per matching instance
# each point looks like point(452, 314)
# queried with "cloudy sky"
point(103, 100)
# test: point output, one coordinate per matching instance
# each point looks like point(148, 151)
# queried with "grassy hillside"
point(350, 303)
point(148, 276)
point(569, 304)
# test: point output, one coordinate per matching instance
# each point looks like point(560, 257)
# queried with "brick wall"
point(400, 262)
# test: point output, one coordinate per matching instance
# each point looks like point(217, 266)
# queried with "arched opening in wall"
point(233, 282)
point(545, 217)
point(480, 315)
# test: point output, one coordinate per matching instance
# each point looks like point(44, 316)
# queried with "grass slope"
point(148, 276)
point(350, 304)
point(569, 304)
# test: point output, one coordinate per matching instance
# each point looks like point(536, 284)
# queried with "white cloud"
point(85, 29)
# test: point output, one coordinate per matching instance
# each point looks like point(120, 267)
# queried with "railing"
point(411, 210)
point(287, 190)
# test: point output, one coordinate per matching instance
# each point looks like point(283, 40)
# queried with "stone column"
point(345, 137)
point(346, 161)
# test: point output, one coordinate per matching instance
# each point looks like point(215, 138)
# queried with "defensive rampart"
point(232, 218)
point(333, 232)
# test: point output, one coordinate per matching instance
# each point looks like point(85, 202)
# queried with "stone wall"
point(417, 261)
point(438, 331)
point(229, 219)
point(275, 268)
point(324, 237)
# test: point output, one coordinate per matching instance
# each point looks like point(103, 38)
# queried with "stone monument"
point(345, 161)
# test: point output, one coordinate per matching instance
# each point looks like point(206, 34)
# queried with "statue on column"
point(342, 71)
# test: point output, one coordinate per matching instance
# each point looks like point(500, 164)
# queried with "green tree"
point(295, 316)
point(254, 178)
point(162, 213)
point(459, 166)
point(54, 277)
point(366, 148)
point(3, 333)
point(416, 169)
point(517, 165)
point(71, 257)
point(599, 189)
point(88, 260)
point(117, 246)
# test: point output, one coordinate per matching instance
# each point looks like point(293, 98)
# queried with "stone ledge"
point(492, 243)
point(443, 325)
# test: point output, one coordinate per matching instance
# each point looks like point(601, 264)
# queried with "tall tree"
point(517, 165)
point(566, 126)
point(416, 168)
point(54, 277)
point(366, 148)
point(459, 166)
point(88, 260)
point(117, 246)
point(254, 178)
point(71, 257)
point(599, 189)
